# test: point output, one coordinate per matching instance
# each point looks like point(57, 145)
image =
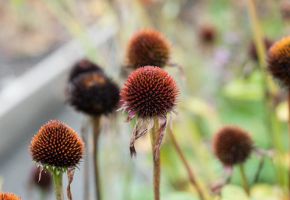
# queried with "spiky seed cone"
point(253, 50)
point(45, 181)
point(207, 34)
point(232, 145)
point(94, 94)
point(148, 92)
point(148, 47)
point(8, 196)
point(279, 61)
point(58, 145)
point(83, 66)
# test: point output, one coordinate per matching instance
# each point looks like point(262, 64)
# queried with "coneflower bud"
point(8, 196)
point(207, 34)
point(94, 94)
point(253, 50)
point(148, 47)
point(41, 178)
point(148, 92)
point(57, 145)
point(232, 145)
point(83, 66)
point(279, 61)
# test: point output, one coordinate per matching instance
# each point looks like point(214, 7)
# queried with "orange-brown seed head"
point(9, 196)
point(232, 145)
point(279, 61)
point(148, 47)
point(58, 145)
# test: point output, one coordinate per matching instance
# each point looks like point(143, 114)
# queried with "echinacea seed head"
point(149, 92)
point(41, 178)
point(232, 145)
point(94, 94)
point(207, 34)
point(9, 196)
point(279, 61)
point(148, 47)
point(83, 66)
point(57, 145)
point(253, 50)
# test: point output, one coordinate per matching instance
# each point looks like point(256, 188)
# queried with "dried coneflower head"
point(279, 61)
point(94, 94)
point(57, 145)
point(41, 178)
point(207, 34)
point(285, 9)
point(148, 47)
point(253, 50)
point(9, 196)
point(148, 92)
point(83, 66)
point(232, 145)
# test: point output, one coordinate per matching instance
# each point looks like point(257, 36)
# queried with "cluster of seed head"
point(148, 47)
point(83, 66)
point(279, 61)
point(94, 94)
point(9, 196)
point(232, 145)
point(57, 145)
point(148, 92)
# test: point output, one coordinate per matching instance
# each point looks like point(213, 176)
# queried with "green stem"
point(156, 160)
point(57, 179)
point(186, 164)
point(96, 134)
point(244, 179)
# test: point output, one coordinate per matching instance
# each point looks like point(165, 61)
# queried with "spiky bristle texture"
point(58, 145)
point(232, 145)
point(148, 47)
point(9, 196)
point(41, 178)
point(279, 61)
point(148, 92)
point(94, 94)
point(83, 66)
point(253, 50)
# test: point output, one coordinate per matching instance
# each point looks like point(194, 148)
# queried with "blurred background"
point(221, 83)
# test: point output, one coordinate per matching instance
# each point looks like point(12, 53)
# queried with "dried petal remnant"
point(232, 145)
point(148, 92)
point(148, 47)
point(58, 145)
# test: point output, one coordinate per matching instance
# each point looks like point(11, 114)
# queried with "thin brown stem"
point(156, 160)
point(96, 134)
point(244, 179)
point(259, 170)
point(85, 136)
point(189, 170)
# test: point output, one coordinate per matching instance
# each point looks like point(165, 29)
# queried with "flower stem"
point(259, 170)
point(57, 179)
point(244, 179)
point(189, 170)
point(156, 160)
point(86, 160)
point(96, 134)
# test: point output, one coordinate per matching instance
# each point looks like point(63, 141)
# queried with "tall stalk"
point(156, 160)
point(85, 137)
point(244, 179)
point(57, 179)
point(189, 170)
point(96, 134)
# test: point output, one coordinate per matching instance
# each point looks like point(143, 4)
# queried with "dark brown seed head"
point(148, 47)
point(207, 34)
point(94, 94)
point(41, 179)
point(148, 92)
point(8, 196)
point(57, 145)
point(279, 61)
point(232, 145)
point(83, 66)
point(285, 10)
point(253, 50)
